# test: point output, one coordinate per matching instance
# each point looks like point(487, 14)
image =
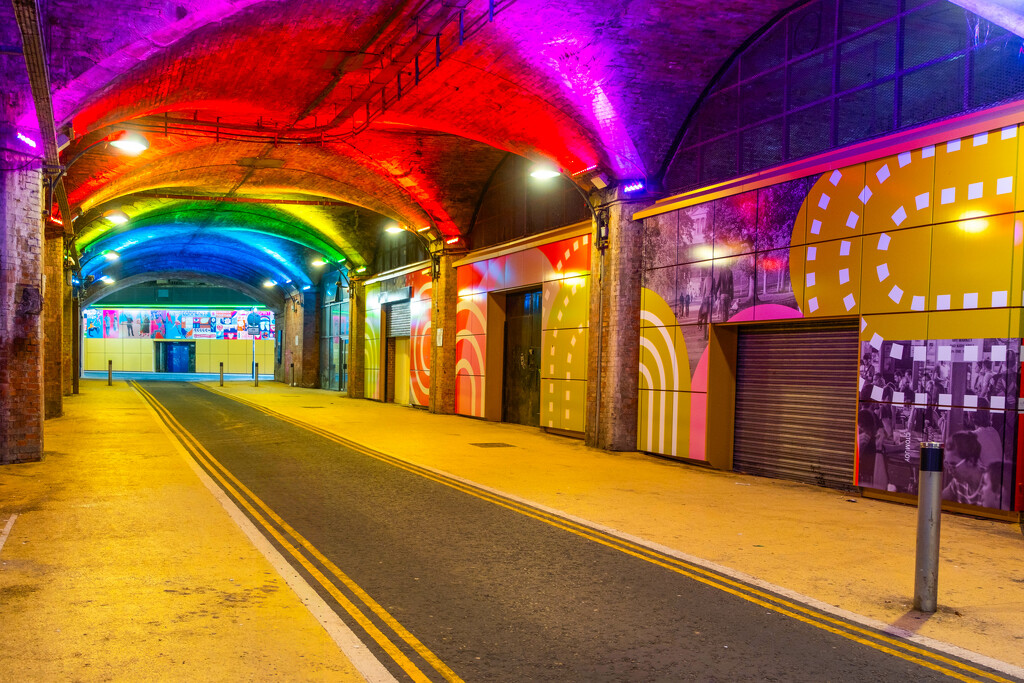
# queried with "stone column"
point(356, 339)
point(53, 328)
point(613, 365)
point(21, 306)
point(442, 319)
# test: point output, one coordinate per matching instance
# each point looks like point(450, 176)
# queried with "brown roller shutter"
point(796, 402)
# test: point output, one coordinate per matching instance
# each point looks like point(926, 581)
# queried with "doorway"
point(176, 356)
point(521, 394)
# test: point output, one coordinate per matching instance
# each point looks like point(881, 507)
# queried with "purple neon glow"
point(27, 140)
point(633, 186)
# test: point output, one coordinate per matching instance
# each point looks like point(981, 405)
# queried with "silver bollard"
point(110, 373)
point(929, 511)
point(256, 374)
point(222, 373)
point(293, 374)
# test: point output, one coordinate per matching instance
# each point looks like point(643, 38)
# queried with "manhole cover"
point(491, 445)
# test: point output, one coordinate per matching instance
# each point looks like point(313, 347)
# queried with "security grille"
point(796, 402)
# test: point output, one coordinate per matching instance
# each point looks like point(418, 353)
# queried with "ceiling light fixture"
point(393, 229)
point(111, 255)
point(544, 172)
point(131, 143)
point(116, 216)
point(319, 263)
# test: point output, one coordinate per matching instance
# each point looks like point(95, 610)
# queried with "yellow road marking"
point(215, 467)
point(874, 639)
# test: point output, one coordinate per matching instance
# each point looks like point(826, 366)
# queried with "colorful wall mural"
point(127, 323)
point(562, 270)
point(420, 287)
point(126, 337)
point(923, 245)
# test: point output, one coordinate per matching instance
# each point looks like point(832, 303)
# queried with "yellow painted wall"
point(137, 355)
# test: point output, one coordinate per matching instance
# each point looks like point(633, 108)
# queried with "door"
point(796, 402)
point(402, 370)
point(177, 357)
point(521, 388)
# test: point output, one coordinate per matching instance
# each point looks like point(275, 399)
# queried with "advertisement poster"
point(174, 324)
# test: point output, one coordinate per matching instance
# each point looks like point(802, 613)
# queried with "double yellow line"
point(877, 640)
point(305, 552)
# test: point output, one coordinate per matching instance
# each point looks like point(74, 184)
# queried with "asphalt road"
point(500, 595)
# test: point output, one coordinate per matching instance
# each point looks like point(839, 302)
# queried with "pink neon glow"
point(27, 140)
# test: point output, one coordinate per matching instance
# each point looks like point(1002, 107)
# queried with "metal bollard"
point(222, 373)
point(110, 373)
point(293, 374)
point(929, 510)
point(256, 374)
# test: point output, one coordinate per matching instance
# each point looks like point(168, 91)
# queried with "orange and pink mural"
point(562, 270)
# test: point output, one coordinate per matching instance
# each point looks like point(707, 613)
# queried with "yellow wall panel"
point(975, 175)
point(131, 362)
point(203, 364)
point(901, 188)
point(895, 273)
point(971, 263)
point(993, 324)
point(112, 346)
point(237, 365)
point(831, 278)
point(203, 347)
point(95, 361)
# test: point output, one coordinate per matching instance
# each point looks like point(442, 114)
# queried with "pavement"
point(121, 564)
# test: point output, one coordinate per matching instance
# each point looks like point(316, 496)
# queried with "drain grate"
point(492, 445)
point(312, 406)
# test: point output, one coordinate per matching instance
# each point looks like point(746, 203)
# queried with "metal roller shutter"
point(399, 320)
point(796, 402)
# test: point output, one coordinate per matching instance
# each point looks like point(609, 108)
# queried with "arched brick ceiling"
point(153, 216)
point(574, 83)
point(246, 256)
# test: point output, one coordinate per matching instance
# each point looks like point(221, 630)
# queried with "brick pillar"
point(76, 343)
point(300, 338)
point(357, 339)
point(53, 328)
point(442, 358)
point(613, 365)
point(69, 363)
point(21, 332)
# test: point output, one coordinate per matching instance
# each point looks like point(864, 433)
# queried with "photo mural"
point(562, 271)
point(924, 246)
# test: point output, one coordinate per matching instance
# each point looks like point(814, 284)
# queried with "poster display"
point(136, 323)
point(961, 393)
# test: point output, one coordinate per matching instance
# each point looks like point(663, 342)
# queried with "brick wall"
point(53, 329)
point(442, 358)
point(21, 335)
point(615, 334)
point(300, 338)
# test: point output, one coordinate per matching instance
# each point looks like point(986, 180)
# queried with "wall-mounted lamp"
point(394, 229)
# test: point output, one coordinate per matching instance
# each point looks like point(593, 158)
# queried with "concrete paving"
point(120, 564)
